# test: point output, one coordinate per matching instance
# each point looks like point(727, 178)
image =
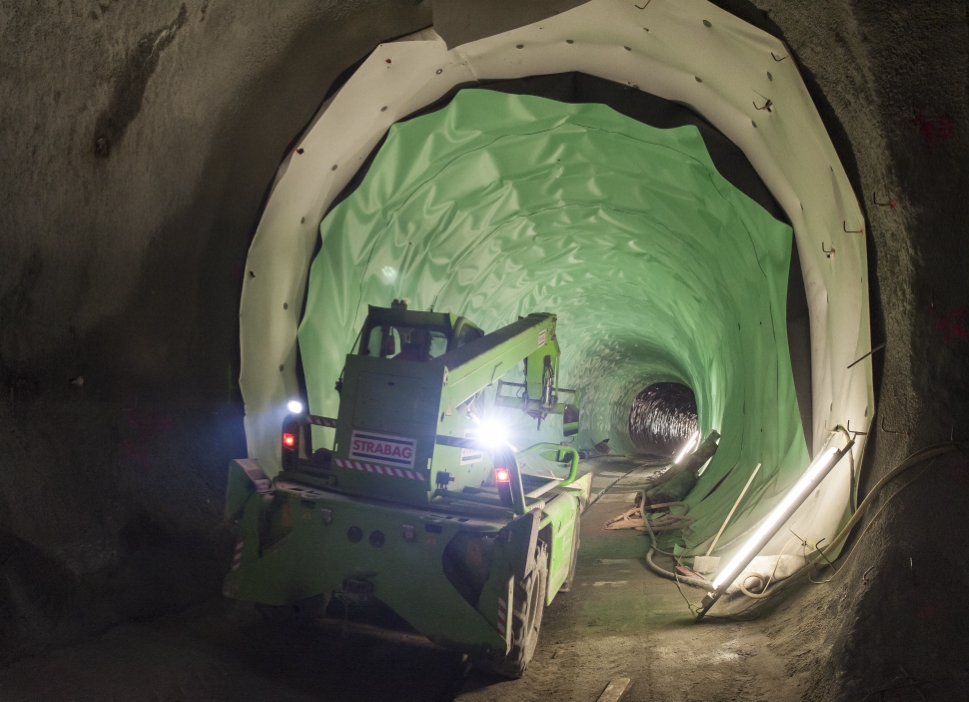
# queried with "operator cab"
point(402, 335)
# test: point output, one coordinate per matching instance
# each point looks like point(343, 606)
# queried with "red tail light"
point(289, 440)
point(502, 475)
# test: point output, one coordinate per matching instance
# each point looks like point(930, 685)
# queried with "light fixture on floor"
point(812, 477)
point(689, 445)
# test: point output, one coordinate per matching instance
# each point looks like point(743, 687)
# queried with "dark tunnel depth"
point(663, 416)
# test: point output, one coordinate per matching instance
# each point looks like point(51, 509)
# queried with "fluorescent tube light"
point(689, 445)
point(812, 477)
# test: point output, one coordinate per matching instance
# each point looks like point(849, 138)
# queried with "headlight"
point(492, 434)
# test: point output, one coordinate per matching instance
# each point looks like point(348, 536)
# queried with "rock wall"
point(891, 81)
point(136, 144)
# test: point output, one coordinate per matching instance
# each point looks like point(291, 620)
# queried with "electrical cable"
point(868, 526)
point(912, 460)
point(677, 578)
point(696, 582)
point(764, 584)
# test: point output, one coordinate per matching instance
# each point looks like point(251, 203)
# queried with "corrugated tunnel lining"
point(729, 160)
point(659, 269)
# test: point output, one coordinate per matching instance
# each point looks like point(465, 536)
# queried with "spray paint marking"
point(932, 127)
point(381, 470)
point(237, 557)
point(951, 326)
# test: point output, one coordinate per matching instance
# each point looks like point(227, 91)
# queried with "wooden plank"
point(614, 690)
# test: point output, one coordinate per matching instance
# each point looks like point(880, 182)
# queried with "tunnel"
point(744, 216)
point(493, 236)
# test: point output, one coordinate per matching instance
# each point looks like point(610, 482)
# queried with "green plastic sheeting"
point(658, 269)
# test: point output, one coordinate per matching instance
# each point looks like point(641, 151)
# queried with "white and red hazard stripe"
point(237, 556)
point(382, 470)
point(502, 615)
point(321, 421)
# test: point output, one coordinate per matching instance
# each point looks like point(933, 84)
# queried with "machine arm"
point(478, 364)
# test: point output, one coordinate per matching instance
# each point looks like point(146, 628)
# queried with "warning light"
point(289, 440)
point(503, 483)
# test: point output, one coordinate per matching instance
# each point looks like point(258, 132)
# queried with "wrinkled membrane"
point(658, 269)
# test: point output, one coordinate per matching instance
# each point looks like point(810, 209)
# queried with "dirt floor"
point(619, 621)
point(623, 621)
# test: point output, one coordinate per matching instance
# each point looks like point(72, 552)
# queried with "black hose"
point(695, 582)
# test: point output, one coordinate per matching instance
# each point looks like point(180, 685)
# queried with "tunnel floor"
point(619, 621)
point(623, 621)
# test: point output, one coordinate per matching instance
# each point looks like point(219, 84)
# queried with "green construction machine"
point(421, 504)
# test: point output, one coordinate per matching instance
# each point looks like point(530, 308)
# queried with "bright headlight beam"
point(689, 446)
point(491, 433)
point(295, 407)
point(812, 477)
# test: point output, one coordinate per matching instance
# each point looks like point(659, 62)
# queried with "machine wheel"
point(526, 620)
point(567, 585)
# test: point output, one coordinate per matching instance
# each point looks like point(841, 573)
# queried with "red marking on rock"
point(951, 326)
point(932, 127)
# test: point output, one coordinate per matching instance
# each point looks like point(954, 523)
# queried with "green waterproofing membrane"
point(657, 267)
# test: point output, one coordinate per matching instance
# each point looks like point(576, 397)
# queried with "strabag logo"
point(381, 448)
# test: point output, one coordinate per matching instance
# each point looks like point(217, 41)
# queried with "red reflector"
point(501, 475)
point(289, 440)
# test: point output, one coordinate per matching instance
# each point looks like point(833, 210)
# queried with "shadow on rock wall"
point(137, 144)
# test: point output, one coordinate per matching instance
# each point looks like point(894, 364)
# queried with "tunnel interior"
point(496, 205)
point(122, 268)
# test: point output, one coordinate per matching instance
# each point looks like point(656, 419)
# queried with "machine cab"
point(398, 334)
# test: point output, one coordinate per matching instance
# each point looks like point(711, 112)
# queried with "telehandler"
point(421, 503)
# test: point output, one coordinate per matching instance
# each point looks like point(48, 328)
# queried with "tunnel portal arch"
point(681, 59)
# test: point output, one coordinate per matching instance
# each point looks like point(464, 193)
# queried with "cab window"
point(405, 343)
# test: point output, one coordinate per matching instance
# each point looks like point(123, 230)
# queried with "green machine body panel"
point(392, 410)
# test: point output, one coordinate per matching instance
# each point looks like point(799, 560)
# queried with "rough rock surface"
point(136, 144)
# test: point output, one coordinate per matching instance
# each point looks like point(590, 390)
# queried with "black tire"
point(526, 620)
point(570, 578)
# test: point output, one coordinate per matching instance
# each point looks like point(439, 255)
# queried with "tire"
point(526, 620)
point(570, 578)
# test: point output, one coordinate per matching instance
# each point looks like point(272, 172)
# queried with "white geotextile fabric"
point(719, 70)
